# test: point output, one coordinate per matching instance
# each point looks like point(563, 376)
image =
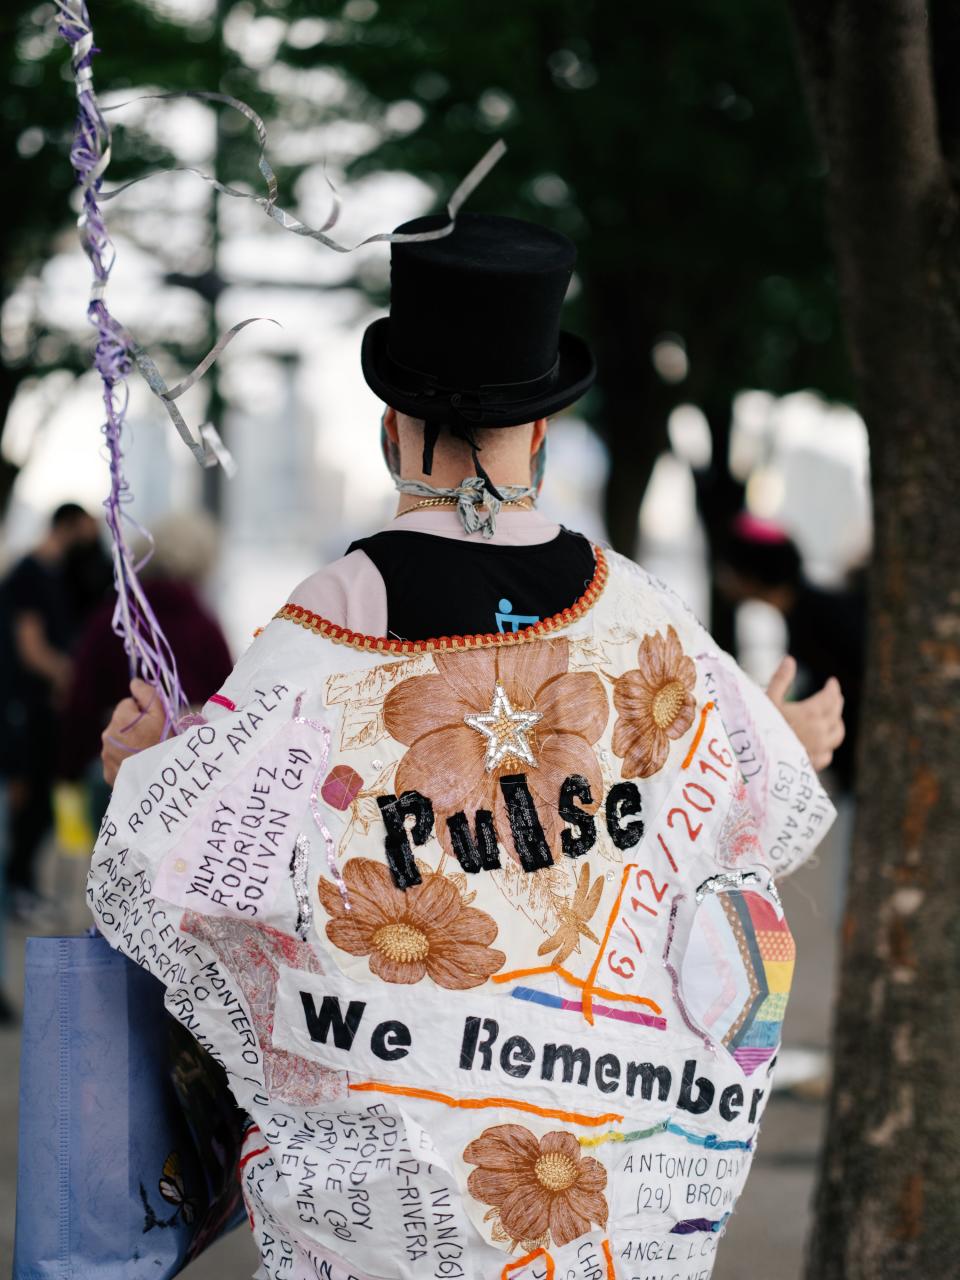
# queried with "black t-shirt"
point(447, 587)
point(26, 711)
point(34, 587)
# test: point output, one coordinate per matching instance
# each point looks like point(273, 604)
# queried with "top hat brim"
point(411, 393)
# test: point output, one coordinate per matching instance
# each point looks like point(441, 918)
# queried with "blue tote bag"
point(129, 1137)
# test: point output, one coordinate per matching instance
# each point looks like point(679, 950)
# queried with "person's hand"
point(817, 721)
point(137, 722)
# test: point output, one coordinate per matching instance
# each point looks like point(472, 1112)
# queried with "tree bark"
point(719, 498)
point(10, 380)
point(888, 1197)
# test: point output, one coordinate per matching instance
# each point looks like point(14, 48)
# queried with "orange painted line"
point(594, 968)
point(697, 736)
point(476, 1104)
point(577, 982)
point(529, 1257)
point(529, 973)
point(611, 1271)
point(617, 995)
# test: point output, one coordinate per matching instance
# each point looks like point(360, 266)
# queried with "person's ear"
point(389, 421)
point(539, 435)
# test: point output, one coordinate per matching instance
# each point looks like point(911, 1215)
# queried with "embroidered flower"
point(655, 703)
point(573, 919)
point(538, 1186)
point(427, 929)
point(739, 840)
point(447, 757)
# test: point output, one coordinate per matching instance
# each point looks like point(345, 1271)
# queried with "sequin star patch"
point(505, 730)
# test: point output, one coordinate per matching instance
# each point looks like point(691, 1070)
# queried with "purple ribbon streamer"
point(116, 351)
point(148, 651)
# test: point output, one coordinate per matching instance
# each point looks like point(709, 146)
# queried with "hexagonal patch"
point(736, 974)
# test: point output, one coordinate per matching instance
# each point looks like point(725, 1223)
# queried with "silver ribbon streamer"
point(324, 732)
point(204, 450)
point(287, 220)
point(208, 450)
point(471, 494)
point(211, 437)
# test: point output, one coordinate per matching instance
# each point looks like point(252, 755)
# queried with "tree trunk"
point(10, 380)
point(719, 498)
point(888, 1198)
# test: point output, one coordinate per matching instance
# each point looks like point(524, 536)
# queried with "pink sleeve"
point(349, 592)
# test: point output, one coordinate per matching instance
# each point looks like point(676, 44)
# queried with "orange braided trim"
point(382, 644)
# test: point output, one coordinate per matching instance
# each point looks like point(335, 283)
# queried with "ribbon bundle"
point(116, 352)
point(134, 621)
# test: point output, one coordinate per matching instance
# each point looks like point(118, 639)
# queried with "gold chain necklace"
point(452, 502)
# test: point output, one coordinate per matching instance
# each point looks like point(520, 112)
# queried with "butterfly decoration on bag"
point(172, 1189)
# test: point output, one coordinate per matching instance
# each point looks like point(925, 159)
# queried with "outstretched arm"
point(817, 721)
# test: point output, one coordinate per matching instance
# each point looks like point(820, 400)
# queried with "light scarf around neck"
point(471, 494)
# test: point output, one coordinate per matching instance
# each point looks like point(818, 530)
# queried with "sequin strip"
point(381, 644)
point(727, 880)
point(675, 978)
point(736, 880)
point(324, 732)
point(671, 927)
point(300, 866)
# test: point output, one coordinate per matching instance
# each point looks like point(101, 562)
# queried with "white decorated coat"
point(484, 932)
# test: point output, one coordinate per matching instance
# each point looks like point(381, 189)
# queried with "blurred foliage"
point(670, 141)
point(140, 47)
point(143, 47)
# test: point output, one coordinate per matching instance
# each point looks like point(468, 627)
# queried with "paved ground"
point(766, 1236)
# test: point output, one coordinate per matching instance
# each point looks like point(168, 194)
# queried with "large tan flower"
point(427, 929)
point(537, 1185)
point(446, 760)
point(655, 703)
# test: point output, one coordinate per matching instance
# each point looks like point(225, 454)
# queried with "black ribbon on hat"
point(460, 431)
point(470, 409)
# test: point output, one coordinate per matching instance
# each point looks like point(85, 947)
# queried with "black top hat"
point(473, 338)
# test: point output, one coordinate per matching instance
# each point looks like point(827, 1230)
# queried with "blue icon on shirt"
point(507, 621)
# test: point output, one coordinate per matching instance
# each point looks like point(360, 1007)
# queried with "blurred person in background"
point(185, 552)
point(43, 601)
point(826, 629)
